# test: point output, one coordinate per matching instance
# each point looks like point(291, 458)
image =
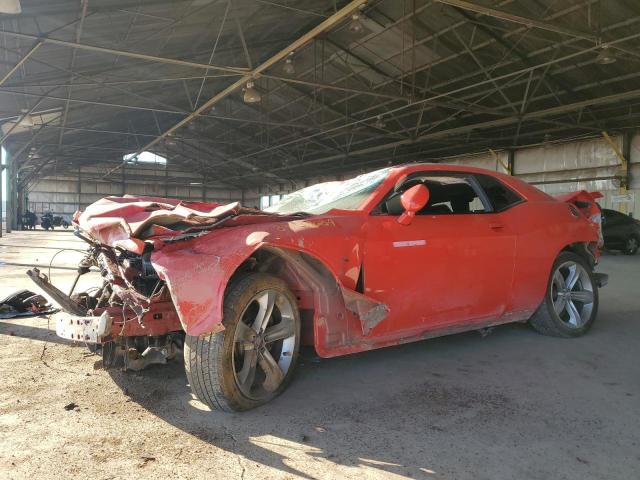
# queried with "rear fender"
point(586, 203)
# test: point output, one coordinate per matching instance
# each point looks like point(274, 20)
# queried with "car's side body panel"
point(438, 275)
point(544, 229)
point(197, 271)
point(362, 279)
point(433, 273)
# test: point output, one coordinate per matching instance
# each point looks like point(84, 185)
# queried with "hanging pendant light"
point(356, 26)
point(289, 68)
point(170, 140)
point(251, 95)
point(605, 57)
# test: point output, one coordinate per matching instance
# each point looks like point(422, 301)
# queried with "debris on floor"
point(71, 406)
point(24, 303)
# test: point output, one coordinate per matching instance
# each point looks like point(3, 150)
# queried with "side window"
point(500, 196)
point(449, 193)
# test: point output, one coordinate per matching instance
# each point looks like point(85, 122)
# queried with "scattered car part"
point(24, 303)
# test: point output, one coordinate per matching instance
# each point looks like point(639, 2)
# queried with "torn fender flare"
point(369, 311)
point(197, 276)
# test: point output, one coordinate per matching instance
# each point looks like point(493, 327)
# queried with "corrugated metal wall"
point(64, 194)
point(566, 167)
point(554, 168)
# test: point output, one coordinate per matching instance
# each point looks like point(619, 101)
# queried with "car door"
point(452, 265)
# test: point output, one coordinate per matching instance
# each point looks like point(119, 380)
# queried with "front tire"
point(570, 303)
point(254, 358)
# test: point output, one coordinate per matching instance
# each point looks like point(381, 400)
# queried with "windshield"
point(322, 197)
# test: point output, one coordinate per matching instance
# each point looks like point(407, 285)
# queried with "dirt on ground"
point(513, 404)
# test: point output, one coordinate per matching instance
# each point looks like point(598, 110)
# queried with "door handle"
point(496, 226)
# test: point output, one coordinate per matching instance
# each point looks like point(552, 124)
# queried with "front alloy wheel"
point(254, 358)
point(266, 332)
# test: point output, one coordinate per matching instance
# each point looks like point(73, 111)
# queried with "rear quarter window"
point(500, 196)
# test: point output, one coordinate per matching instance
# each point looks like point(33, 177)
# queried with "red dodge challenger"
point(392, 256)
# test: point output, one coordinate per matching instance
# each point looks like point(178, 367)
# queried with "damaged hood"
point(129, 220)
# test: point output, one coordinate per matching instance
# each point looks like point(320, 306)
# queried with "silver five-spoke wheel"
point(570, 303)
point(572, 294)
point(253, 359)
point(264, 343)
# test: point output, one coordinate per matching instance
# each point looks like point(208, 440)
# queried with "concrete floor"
point(512, 405)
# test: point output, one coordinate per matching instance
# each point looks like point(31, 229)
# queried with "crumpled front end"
point(165, 266)
point(131, 304)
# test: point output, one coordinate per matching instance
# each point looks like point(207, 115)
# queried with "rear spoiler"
point(579, 196)
point(585, 201)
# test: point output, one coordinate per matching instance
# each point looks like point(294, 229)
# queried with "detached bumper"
point(83, 329)
point(601, 279)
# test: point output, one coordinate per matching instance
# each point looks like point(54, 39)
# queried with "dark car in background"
point(621, 232)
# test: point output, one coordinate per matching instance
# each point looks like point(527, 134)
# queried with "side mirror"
point(413, 200)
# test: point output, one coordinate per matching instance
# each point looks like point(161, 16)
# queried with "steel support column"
point(626, 153)
point(511, 161)
point(10, 187)
point(1, 203)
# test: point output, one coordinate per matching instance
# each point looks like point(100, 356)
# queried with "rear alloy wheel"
point(631, 245)
point(253, 359)
point(571, 300)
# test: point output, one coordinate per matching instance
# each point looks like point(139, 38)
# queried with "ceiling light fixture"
point(356, 26)
point(605, 57)
point(170, 141)
point(289, 68)
point(251, 95)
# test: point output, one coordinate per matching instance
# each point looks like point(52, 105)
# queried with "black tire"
point(546, 321)
point(631, 245)
point(209, 358)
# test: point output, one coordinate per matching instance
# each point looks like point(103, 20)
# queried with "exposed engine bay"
point(137, 323)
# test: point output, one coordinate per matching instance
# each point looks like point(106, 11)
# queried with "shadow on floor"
point(375, 409)
point(34, 333)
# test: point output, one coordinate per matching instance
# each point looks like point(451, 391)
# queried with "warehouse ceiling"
point(253, 92)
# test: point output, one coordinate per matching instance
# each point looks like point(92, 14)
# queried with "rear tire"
point(631, 245)
point(570, 303)
point(254, 358)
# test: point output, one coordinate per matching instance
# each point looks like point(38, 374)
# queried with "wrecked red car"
point(392, 256)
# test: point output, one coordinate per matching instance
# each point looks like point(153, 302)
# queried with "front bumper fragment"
point(83, 329)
